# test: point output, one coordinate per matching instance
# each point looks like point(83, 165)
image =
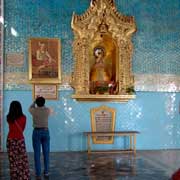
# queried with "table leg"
point(89, 143)
point(134, 144)
point(130, 142)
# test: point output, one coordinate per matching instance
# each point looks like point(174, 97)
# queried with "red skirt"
point(18, 159)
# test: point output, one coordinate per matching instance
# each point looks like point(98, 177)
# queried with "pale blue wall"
point(155, 115)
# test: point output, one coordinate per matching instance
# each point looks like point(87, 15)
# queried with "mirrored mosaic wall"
point(156, 63)
point(1, 74)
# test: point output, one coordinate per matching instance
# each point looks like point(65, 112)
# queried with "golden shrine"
point(102, 50)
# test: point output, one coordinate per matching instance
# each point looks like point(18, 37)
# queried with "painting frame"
point(50, 91)
point(44, 55)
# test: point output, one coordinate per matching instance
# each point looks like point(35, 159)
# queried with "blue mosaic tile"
point(156, 43)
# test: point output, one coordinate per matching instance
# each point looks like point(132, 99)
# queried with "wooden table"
point(130, 134)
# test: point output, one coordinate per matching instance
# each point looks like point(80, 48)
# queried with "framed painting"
point(44, 60)
point(103, 120)
point(48, 91)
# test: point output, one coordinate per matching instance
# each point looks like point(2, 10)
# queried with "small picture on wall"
point(15, 59)
point(44, 60)
point(48, 91)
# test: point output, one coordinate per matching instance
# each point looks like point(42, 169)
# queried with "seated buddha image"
point(43, 62)
point(100, 75)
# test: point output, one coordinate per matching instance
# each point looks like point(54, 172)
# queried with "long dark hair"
point(15, 111)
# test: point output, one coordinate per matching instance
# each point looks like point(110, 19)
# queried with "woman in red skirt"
point(18, 160)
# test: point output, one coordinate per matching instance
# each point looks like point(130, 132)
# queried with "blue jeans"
point(41, 137)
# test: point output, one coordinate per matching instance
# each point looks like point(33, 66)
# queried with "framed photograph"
point(44, 60)
point(103, 120)
point(48, 91)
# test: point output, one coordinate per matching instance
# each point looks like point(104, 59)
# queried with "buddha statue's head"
point(99, 52)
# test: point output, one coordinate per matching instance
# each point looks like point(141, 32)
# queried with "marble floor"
point(147, 165)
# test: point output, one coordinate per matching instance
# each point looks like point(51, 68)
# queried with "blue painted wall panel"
point(155, 115)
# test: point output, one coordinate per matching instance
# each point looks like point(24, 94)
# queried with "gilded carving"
point(102, 29)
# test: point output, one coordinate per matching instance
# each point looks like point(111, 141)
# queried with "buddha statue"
point(99, 73)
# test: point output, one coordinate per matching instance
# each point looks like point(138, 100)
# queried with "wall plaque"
point(103, 120)
point(48, 91)
point(15, 59)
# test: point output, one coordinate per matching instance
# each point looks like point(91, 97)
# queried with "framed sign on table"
point(48, 91)
point(44, 60)
point(103, 120)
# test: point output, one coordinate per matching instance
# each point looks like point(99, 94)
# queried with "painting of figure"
point(44, 60)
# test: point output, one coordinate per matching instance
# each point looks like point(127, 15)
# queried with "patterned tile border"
point(157, 82)
point(143, 82)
